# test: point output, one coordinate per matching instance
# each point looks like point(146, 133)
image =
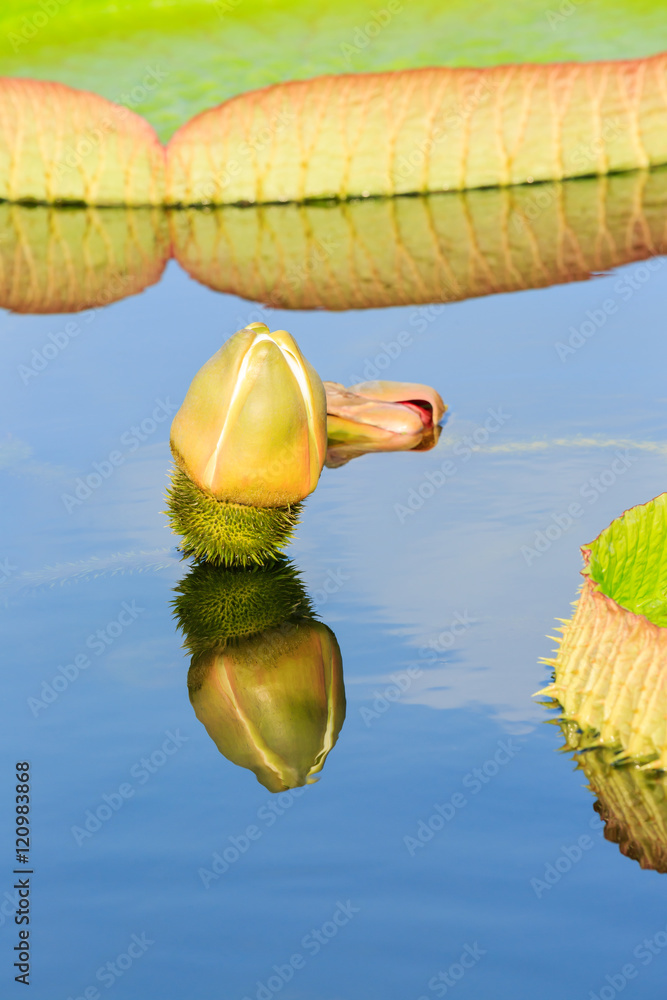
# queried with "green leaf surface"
point(628, 560)
point(170, 60)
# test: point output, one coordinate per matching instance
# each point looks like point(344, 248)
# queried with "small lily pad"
point(610, 671)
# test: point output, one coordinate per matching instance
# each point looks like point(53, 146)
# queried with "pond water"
point(444, 835)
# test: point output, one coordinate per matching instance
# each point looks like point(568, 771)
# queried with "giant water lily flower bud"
point(396, 407)
point(249, 443)
point(380, 416)
point(252, 427)
point(273, 703)
point(420, 399)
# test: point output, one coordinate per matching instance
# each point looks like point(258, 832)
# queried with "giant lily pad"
point(340, 136)
point(611, 667)
point(422, 130)
point(59, 144)
point(170, 59)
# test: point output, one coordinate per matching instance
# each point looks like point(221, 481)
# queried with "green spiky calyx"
point(216, 605)
point(228, 534)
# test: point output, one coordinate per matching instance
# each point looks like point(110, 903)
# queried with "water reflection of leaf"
point(440, 248)
point(352, 255)
point(631, 802)
point(55, 260)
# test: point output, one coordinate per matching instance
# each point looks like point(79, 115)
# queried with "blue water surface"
point(390, 576)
